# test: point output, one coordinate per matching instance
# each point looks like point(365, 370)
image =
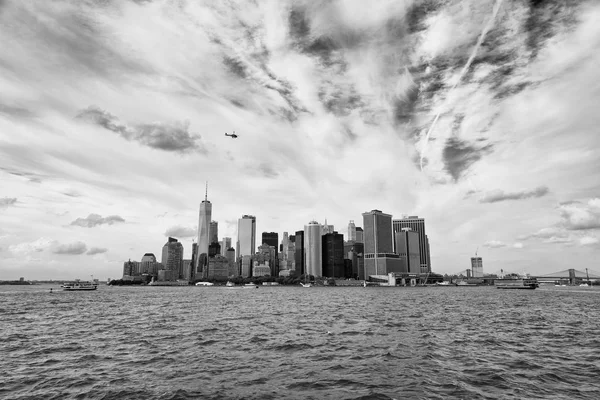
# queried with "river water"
point(304, 343)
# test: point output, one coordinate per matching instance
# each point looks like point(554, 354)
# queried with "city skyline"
point(478, 116)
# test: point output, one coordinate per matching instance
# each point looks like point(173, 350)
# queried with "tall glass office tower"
point(203, 233)
point(246, 242)
point(418, 225)
point(313, 250)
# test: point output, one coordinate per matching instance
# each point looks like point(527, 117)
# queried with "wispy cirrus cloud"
point(496, 244)
point(174, 137)
point(93, 220)
point(498, 195)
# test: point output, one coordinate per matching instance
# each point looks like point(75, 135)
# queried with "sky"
point(480, 116)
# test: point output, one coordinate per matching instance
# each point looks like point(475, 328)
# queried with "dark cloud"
point(459, 155)
point(236, 67)
point(74, 248)
point(96, 250)
point(339, 101)
point(181, 232)
point(268, 171)
point(404, 106)
point(71, 193)
point(495, 196)
point(6, 202)
point(546, 18)
point(93, 220)
point(418, 13)
point(299, 25)
point(168, 137)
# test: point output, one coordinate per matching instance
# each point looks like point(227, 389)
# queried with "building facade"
point(360, 235)
point(246, 241)
point(476, 267)
point(204, 236)
point(407, 247)
point(332, 245)
point(299, 253)
point(172, 258)
point(351, 231)
point(312, 249)
point(225, 245)
point(380, 258)
point(418, 225)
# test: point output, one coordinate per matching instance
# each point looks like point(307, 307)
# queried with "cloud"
point(495, 196)
point(74, 248)
point(588, 240)
point(181, 232)
point(459, 155)
point(93, 220)
point(6, 202)
point(36, 246)
point(494, 244)
point(96, 250)
point(174, 137)
point(518, 245)
point(579, 216)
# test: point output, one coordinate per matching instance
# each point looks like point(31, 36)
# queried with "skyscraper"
point(360, 235)
point(380, 258)
point(172, 259)
point(332, 245)
point(407, 247)
point(351, 231)
point(272, 239)
point(312, 248)
point(225, 245)
point(477, 267)
point(299, 253)
point(214, 232)
point(246, 242)
point(418, 225)
point(203, 232)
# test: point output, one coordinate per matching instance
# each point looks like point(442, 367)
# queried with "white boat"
point(205, 284)
point(584, 284)
point(230, 284)
point(305, 284)
point(80, 285)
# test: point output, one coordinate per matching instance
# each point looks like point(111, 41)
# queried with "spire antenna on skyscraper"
point(206, 192)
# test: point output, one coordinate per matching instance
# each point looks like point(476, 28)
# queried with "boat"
point(230, 284)
point(205, 284)
point(305, 284)
point(584, 284)
point(516, 283)
point(443, 283)
point(250, 286)
point(80, 285)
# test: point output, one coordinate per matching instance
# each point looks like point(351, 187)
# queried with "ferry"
point(80, 285)
point(516, 283)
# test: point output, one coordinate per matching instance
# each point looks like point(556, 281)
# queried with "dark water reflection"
point(284, 342)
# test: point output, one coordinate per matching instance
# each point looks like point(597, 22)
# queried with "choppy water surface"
point(313, 343)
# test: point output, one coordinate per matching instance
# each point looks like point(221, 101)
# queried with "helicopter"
point(233, 135)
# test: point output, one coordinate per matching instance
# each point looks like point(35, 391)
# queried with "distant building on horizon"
point(418, 225)
point(351, 231)
point(476, 267)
